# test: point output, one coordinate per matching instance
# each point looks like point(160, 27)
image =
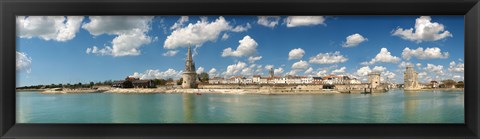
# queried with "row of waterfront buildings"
point(289, 79)
point(190, 79)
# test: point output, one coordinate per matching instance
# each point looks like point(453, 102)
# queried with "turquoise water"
point(395, 106)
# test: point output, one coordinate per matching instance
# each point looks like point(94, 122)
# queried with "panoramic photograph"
point(240, 69)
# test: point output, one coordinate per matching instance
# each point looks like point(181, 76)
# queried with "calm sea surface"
point(395, 106)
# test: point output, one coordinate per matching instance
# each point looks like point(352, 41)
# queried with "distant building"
point(411, 79)
point(317, 80)
point(215, 80)
point(143, 84)
point(288, 80)
point(131, 82)
point(374, 79)
point(332, 79)
point(271, 72)
point(355, 81)
point(434, 84)
point(189, 76)
point(236, 79)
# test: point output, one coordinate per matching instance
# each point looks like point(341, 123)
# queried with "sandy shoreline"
point(70, 91)
point(187, 91)
point(439, 89)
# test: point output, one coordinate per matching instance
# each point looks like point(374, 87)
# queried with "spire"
point(189, 64)
point(189, 55)
point(271, 73)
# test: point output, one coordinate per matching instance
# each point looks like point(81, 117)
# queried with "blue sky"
point(82, 49)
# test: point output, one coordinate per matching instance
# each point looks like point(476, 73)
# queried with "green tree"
point(204, 77)
point(169, 80)
point(179, 82)
point(460, 84)
point(127, 84)
point(156, 81)
point(449, 83)
point(160, 81)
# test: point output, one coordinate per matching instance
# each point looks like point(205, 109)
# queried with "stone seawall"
point(228, 86)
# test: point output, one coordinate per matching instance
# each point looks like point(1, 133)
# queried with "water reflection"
point(395, 106)
point(125, 108)
point(188, 108)
point(410, 105)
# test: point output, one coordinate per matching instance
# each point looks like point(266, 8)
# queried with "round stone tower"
point(189, 75)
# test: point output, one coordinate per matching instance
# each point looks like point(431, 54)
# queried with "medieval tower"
point(410, 79)
point(374, 79)
point(189, 75)
point(271, 73)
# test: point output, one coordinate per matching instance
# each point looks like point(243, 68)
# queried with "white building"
point(256, 79)
point(215, 80)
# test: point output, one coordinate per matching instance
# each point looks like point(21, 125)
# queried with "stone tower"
point(271, 73)
point(189, 75)
point(374, 79)
point(410, 79)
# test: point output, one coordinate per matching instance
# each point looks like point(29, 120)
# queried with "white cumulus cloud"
point(116, 25)
point(300, 65)
point(354, 40)
point(241, 28)
point(296, 21)
point(200, 32)
point(296, 53)
point(235, 69)
point(424, 30)
point(309, 71)
point(212, 72)
point(437, 69)
point(387, 75)
point(225, 36)
point(419, 65)
point(328, 58)
point(404, 64)
point(170, 53)
point(23, 62)
point(340, 70)
point(104, 51)
point(428, 53)
point(384, 56)
point(363, 71)
point(179, 23)
point(58, 28)
point(268, 21)
point(200, 70)
point(268, 67)
point(130, 33)
point(158, 74)
point(322, 72)
point(453, 67)
point(252, 59)
point(379, 69)
point(278, 70)
point(247, 47)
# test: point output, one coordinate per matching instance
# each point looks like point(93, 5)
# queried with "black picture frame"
point(11, 8)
